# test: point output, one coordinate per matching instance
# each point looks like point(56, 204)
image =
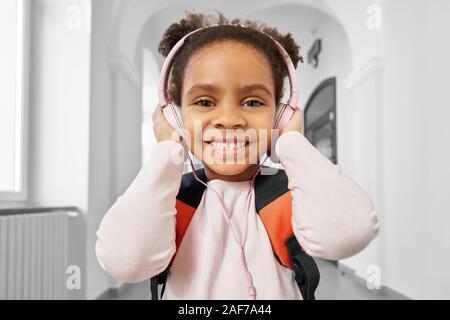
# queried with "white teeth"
point(227, 146)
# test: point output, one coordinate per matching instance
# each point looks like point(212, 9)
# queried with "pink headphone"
point(284, 114)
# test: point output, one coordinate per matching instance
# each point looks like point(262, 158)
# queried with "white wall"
point(398, 124)
point(74, 151)
point(353, 15)
point(115, 134)
point(416, 156)
point(360, 140)
point(102, 133)
point(59, 115)
point(85, 125)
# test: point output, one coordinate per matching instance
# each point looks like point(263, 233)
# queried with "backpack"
point(273, 203)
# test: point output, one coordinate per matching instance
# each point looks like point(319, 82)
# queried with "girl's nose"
point(228, 118)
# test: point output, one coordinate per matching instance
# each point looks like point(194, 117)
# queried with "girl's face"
point(228, 108)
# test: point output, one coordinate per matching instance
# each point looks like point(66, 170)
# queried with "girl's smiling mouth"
point(228, 146)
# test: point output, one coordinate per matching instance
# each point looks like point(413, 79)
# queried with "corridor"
point(81, 80)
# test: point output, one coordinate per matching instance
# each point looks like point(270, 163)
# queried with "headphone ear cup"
point(273, 156)
point(179, 115)
point(279, 112)
point(283, 116)
point(173, 117)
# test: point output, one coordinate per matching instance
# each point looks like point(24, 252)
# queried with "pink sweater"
point(332, 218)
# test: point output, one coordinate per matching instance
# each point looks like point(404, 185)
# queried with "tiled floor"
point(334, 285)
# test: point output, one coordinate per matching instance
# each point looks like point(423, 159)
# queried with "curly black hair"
point(251, 35)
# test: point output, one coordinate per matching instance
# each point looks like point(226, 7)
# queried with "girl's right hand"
point(161, 128)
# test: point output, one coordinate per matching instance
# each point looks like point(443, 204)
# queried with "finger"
point(158, 114)
point(155, 112)
point(161, 119)
point(296, 116)
point(301, 120)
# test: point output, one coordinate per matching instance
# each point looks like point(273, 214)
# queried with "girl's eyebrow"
point(244, 89)
point(254, 87)
point(206, 87)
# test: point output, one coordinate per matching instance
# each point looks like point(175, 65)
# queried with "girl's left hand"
point(296, 123)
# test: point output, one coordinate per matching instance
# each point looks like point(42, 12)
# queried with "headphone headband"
point(163, 98)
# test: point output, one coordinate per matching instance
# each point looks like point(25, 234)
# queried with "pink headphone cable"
point(251, 288)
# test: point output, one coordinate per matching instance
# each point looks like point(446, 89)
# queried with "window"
point(13, 98)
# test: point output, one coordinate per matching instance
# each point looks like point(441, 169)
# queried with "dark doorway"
point(320, 119)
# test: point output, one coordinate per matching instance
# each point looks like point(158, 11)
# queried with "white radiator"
point(33, 255)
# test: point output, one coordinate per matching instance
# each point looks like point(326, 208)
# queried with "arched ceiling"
point(130, 16)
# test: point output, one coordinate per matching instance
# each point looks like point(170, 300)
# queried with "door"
point(320, 119)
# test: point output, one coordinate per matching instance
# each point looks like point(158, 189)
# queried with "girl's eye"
point(203, 103)
point(252, 103)
point(209, 103)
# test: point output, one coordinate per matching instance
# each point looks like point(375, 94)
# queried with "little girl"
point(229, 79)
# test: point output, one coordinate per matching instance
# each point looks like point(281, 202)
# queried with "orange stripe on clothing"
point(184, 215)
point(276, 217)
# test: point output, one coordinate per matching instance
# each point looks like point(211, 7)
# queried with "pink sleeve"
point(332, 216)
point(136, 237)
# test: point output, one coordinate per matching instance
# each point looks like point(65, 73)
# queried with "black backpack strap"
point(270, 186)
point(190, 192)
point(307, 274)
point(155, 281)
point(154, 287)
